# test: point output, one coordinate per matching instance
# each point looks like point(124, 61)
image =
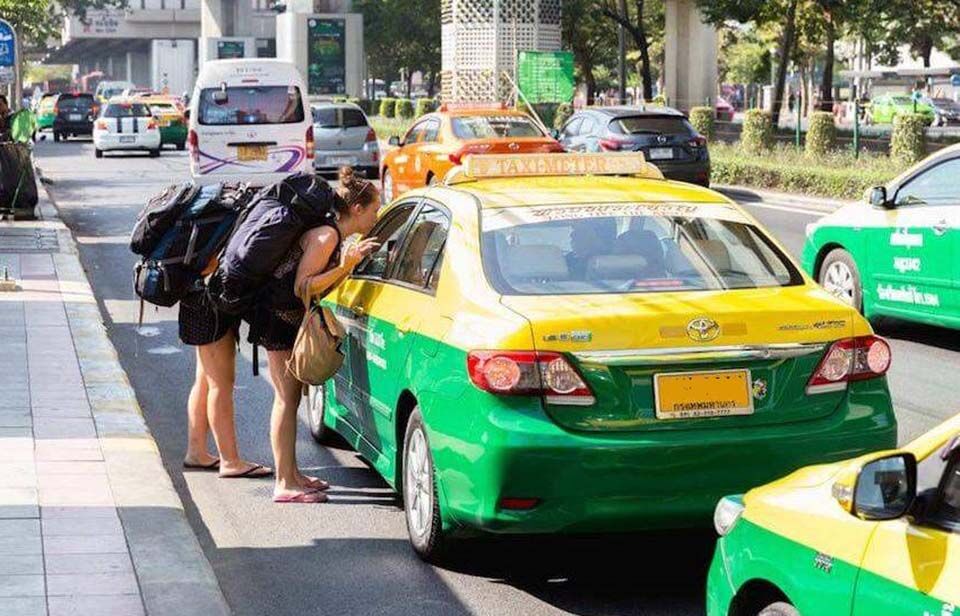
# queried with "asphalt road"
point(351, 556)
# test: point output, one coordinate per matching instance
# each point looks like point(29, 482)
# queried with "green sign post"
point(326, 56)
point(546, 76)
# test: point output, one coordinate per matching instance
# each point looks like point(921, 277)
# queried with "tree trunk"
point(926, 50)
point(643, 46)
point(432, 84)
point(786, 46)
point(409, 82)
point(826, 86)
point(591, 82)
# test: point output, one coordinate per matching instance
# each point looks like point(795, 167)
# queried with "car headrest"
point(616, 267)
point(680, 258)
point(534, 262)
point(715, 252)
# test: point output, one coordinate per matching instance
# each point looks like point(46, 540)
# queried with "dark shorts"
point(201, 323)
point(274, 330)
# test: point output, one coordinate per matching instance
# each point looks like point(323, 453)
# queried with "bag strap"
point(306, 297)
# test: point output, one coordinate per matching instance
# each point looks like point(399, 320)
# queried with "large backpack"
point(279, 215)
point(180, 231)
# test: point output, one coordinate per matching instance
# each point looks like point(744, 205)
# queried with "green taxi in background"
point(884, 108)
point(897, 252)
point(170, 118)
point(567, 343)
point(46, 110)
point(875, 536)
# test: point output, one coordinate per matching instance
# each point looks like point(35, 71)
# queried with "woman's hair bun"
point(354, 188)
point(347, 176)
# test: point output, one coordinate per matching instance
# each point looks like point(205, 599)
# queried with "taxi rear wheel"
point(316, 409)
point(840, 277)
point(98, 152)
point(779, 609)
point(419, 490)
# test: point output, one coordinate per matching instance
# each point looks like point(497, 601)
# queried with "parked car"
point(878, 535)
point(947, 111)
point(126, 125)
point(439, 141)
point(663, 134)
point(170, 118)
point(249, 122)
point(564, 343)
point(74, 115)
point(895, 253)
point(725, 110)
point(343, 136)
point(46, 110)
point(884, 108)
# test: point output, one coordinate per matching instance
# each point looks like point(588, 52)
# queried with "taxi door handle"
point(359, 310)
point(941, 227)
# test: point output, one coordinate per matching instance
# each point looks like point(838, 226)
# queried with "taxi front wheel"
point(779, 609)
point(316, 409)
point(840, 277)
point(419, 491)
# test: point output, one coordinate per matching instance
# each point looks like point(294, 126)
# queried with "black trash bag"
point(18, 184)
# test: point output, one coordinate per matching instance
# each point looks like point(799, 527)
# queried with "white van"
point(249, 122)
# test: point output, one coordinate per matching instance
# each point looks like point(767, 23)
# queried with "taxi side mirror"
point(394, 141)
point(878, 197)
point(886, 487)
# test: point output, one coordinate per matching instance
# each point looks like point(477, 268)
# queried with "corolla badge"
point(703, 329)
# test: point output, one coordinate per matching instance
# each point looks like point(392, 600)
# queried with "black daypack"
point(276, 219)
point(161, 212)
point(180, 247)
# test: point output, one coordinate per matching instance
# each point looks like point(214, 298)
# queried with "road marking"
point(785, 208)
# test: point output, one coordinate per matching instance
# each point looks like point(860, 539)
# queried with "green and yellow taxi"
point(170, 119)
point(46, 111)
point(567, 343)
point(877, 535)
point(897, 252)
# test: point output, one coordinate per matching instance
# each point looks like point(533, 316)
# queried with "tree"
point(744, 57)
point(591, 37)
point(643, 21)
point(401, 34)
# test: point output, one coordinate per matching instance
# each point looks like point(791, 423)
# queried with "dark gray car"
point(343, 136)
point(664, 136)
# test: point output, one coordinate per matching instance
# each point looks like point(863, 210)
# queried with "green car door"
point(911, 258)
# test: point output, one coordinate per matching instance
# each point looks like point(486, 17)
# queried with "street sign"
point(8, 53)
point(228, 50)
point(326, 56)
point(955, 80)
point(546, 76)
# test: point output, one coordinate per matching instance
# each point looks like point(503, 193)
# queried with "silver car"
point(343, 136)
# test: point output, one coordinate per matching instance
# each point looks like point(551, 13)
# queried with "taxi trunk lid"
point(769, 343)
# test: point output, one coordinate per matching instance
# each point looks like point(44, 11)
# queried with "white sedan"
point(126, 125)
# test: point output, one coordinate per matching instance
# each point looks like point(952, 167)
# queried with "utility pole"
point(622, 55)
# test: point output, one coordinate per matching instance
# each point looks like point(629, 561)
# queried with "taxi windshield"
point(492, 126)
point(628, 248)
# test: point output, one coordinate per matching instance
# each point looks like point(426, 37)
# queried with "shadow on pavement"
point(920, 333)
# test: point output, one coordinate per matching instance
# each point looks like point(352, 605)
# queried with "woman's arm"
point(320, 245)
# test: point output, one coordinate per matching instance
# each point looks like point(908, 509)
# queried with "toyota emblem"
point(514, 147)
point(703, 329)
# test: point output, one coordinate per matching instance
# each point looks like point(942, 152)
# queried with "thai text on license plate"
point(690, 395)
point(661, 153)
point(251, 152)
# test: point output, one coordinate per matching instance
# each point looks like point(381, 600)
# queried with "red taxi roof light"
point(850, 359)
point(529, 373)
point(471, 148)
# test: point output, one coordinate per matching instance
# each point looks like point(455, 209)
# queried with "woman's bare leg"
point(283, 424)
point(219, 365)
point(197, 425)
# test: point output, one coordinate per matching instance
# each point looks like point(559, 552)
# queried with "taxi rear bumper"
point(587, 483)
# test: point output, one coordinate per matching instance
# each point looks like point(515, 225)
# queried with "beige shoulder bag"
point(316, 351)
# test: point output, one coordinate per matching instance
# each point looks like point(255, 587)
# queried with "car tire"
point(181, 146)
point(316, 409)
point(386, 187)
point(155, 153)
point(418, 489)
point(98, 152)
point(56, 137)
point(779, 609)
point(840, 276)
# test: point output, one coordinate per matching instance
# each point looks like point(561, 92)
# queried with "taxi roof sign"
point(479, 166)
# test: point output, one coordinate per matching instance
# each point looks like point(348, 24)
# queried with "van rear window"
point(250, 105)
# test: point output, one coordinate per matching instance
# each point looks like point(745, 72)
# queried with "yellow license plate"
point(690, 395)
point(251, 152)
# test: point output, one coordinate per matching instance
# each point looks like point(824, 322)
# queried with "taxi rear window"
point(251, 105)
point(494, 126)
point(628, 248)
point(126, 110)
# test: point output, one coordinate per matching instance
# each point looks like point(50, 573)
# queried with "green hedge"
point(404, 108)
point(388, 107)
point(563, 113)
point(703, 120)
point(821, 135)
point(907, 141)
point(425, 105)
point(757, 134)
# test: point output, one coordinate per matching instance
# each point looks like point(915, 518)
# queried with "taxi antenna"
point(533, 111)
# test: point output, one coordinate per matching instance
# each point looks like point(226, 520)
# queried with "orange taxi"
point(438, 141)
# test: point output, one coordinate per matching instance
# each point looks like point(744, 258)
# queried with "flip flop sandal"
point(257, 471)
point(213, 466)
point(316, 483)
point(301, 497)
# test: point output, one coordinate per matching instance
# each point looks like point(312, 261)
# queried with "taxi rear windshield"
point(493, 126)
point(250, 105)
point(578, 250)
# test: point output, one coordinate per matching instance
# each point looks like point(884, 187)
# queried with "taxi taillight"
point(529, 373)
point(471, 148)
point(152, 124)
point(850, 359)
point(101, 125)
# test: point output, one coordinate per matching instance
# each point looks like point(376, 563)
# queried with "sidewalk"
point(90, 524)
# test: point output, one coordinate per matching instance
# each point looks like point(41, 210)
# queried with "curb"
point(174, 574)
point(755, 195)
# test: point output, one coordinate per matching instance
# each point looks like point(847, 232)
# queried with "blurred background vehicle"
point(108, 89)
point(725, 110)
point(74, 115)
point(126, 125)
point(343, 136)
point(170, 119)
point(45, 110)
point(886, 107)
point(947, 111)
